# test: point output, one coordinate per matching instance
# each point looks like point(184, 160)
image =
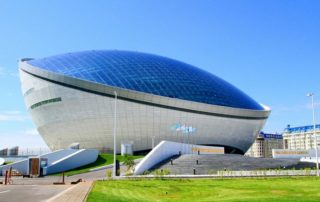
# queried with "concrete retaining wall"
point(58, 161)
point(77, 159)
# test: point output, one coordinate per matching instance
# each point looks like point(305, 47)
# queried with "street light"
point(114, 135)
point(153, 141)
point(314, 130)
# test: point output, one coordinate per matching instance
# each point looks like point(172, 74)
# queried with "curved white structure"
point(68, 109)
point(166, 149)
point(57, 161)
point(1, 161)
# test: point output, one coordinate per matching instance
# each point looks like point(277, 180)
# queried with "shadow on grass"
point(102, 160)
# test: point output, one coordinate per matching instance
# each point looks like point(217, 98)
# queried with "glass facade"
point(149, 74)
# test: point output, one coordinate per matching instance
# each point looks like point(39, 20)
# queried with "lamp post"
point(114, 135)
point(314, 130)
point(153, 141)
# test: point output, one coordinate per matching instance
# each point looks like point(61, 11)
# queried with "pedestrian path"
point(76, 193)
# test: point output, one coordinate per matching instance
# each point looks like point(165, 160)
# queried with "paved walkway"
point(76, 193)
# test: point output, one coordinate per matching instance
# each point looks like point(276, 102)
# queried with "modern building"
point(4, 152)
point(264, 144)
point(71, 98)
point(256, 149)
point(272, 141)
point(300, 138)
point(14, 151)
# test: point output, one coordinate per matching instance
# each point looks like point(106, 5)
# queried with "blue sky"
point(269, 49)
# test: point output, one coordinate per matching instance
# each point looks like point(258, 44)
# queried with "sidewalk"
point(76, 193)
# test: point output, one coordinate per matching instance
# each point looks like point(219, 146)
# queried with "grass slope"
point(254, 189)
point(102, 160)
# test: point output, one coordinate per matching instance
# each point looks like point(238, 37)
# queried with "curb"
point(87, 194)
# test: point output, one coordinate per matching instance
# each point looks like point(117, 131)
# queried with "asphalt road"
point(29, 193)
point(42, 189)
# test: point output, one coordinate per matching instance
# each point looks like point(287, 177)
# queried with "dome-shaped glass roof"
point(148, 73)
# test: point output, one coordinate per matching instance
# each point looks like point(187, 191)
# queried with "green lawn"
point(103, 159)
point(244, 189)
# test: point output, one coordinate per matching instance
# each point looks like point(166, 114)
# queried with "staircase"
point(208, 164)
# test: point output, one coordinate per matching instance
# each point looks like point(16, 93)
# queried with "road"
point(30, 193)
point(41, 189)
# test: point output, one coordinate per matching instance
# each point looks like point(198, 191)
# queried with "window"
point(44, 102)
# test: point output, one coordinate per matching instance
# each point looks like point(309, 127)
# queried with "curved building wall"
point(64, 115)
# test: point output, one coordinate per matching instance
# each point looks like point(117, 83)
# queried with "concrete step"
point(185, 164)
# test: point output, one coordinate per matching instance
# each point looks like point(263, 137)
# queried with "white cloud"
point(14, 112)
point(1, 71)
point(6, 72)
point(13, 115)
point(288, 109)
point(316, 105)
point(28, 138)
point(31, 132)
point(294, 108)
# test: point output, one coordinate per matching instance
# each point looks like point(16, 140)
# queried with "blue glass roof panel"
point(148, 73)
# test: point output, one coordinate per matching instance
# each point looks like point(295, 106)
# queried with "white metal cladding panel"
point(88, 119)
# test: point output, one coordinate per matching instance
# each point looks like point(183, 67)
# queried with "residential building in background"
point(299, 138)
point(263, 145)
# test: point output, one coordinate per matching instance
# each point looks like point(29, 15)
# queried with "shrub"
point(109, 174)
point(160, 173)
point(146, 172)
point(166, 172)
point(129, 162)
point(212, 172)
